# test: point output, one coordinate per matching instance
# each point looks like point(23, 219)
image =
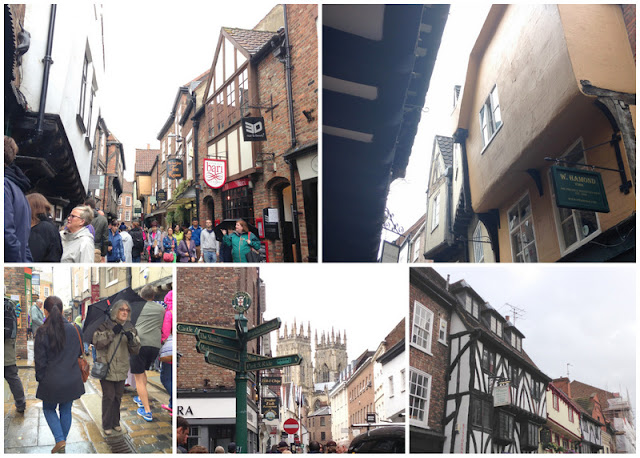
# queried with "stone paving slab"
point(29, 432)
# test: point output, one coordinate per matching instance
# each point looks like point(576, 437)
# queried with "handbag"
point(167, 257)
point(82, 362)
point(166, 351)
point(99, 369)
point(253, 255)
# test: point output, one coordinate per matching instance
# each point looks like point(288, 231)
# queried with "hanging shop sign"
point(270, 408)
point(96, 182)
point(175, 169)
point(502, 395)
point(253, 129)
point(579, 189)
point(215, 172)
point(271, 380)
point(161, 195)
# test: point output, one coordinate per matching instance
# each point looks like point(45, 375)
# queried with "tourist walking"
point(115, 340)
point(56, 351)
point(241, 241)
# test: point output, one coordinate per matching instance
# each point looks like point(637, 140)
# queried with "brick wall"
point(204, 297)
point(361, 395)
point(395, 336)
point(436, 363)
point(629, 13)
point(14, 284)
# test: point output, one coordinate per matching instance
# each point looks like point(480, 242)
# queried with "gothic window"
point(324, 376)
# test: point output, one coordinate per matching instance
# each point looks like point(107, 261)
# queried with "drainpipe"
point(291, 163)
point(47, 67)
point(196, 124)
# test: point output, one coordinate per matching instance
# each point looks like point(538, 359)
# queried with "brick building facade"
point(17, 283)
point(361, 393)
point(629, 14)
point(125, 204)
point(430, 316)
point(206, 393)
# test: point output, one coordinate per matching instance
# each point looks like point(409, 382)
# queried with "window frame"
point(555, 401)
point(491, 106)
point(485, 414)
point(478, 248)
point(428, 319)
point(558, 220)
point(435, 212)
point(424, 422)
point(488, 360)
point(516, 228)
point(504, 432)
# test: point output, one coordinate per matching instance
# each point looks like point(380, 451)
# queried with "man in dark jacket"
point(138, 242)
point(101, 226)
point(17, 213)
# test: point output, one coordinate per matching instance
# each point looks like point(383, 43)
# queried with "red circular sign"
point(291, 426)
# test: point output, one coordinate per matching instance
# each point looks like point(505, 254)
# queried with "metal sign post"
point(227, 348)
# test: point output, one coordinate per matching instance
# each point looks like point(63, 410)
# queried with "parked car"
point(385, 439)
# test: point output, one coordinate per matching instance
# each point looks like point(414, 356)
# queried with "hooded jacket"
point(106, 341)
point(167, 324)
point(17, 216)
point(78, 246)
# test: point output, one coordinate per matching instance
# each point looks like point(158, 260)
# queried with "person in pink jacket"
point(166, 369)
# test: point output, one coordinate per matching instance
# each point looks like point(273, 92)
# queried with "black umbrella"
point(100, 311)
point(230, 225)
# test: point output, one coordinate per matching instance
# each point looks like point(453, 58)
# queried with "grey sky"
point(407, 197)
point(367, 301)
point(584, 315)
point(151, 50)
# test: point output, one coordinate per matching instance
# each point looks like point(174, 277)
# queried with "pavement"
point(29, 432)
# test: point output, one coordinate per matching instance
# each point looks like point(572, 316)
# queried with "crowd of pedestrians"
point(119, 345)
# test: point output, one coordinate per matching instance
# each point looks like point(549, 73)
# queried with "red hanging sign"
point(215, 172)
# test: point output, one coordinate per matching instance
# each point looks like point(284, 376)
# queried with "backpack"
point(10, 319)
point(138, 242)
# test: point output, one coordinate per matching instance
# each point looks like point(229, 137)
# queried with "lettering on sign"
point(579, 189)
point(215, 172)
point(253, 129)
point(175, 169)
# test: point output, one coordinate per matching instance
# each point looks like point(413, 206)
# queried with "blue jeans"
point(61, 425)
point(166, 373)
point(210, 256)
point(135, 258)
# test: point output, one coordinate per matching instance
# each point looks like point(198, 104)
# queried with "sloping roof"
point(582, 390)
point(250, 40)
point(445, 144)
point(411, 231)
point(145, 158)
point(127, 186)
point(326, 410)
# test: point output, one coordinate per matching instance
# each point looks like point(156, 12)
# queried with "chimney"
point(507, 318)
point(148, 146)
point(447, 286)
point(563, 384)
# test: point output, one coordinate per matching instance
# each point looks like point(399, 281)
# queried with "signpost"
point(227, 348)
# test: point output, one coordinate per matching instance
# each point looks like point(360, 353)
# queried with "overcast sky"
point(407, 197)
point(151, 50)
point(584, 315)
point(367, 301)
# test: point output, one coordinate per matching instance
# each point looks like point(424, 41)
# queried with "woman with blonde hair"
point(44, 239)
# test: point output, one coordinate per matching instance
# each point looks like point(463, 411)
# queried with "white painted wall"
point(397, 402)
point(77, 28)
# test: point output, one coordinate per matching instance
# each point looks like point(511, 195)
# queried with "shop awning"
point(377, 64)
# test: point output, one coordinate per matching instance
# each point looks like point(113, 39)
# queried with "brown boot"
point(59, 447)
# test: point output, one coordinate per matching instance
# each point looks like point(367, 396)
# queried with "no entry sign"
point(291, 426)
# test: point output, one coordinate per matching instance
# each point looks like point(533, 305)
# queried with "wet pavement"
point(29, 432)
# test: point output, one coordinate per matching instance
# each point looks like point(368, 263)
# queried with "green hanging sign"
point(579, 189)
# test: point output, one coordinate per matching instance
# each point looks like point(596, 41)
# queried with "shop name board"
point(215, 172)
point(502, 395)
point(161, 195)
point(253, 129)
point(175, 169)
point(270, 408)
point(579, 189)
point(271, 381)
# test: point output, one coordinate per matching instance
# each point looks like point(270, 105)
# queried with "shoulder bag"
point(100, 370)
point(166, 352)
point(253, 255)
point(82, 362)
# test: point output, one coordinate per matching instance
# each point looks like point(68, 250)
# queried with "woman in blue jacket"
point(169, 244)
point(241, 241)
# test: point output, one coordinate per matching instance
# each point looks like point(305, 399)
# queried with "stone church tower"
point(330, 358)
point(313, 374)
point(297, 343)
